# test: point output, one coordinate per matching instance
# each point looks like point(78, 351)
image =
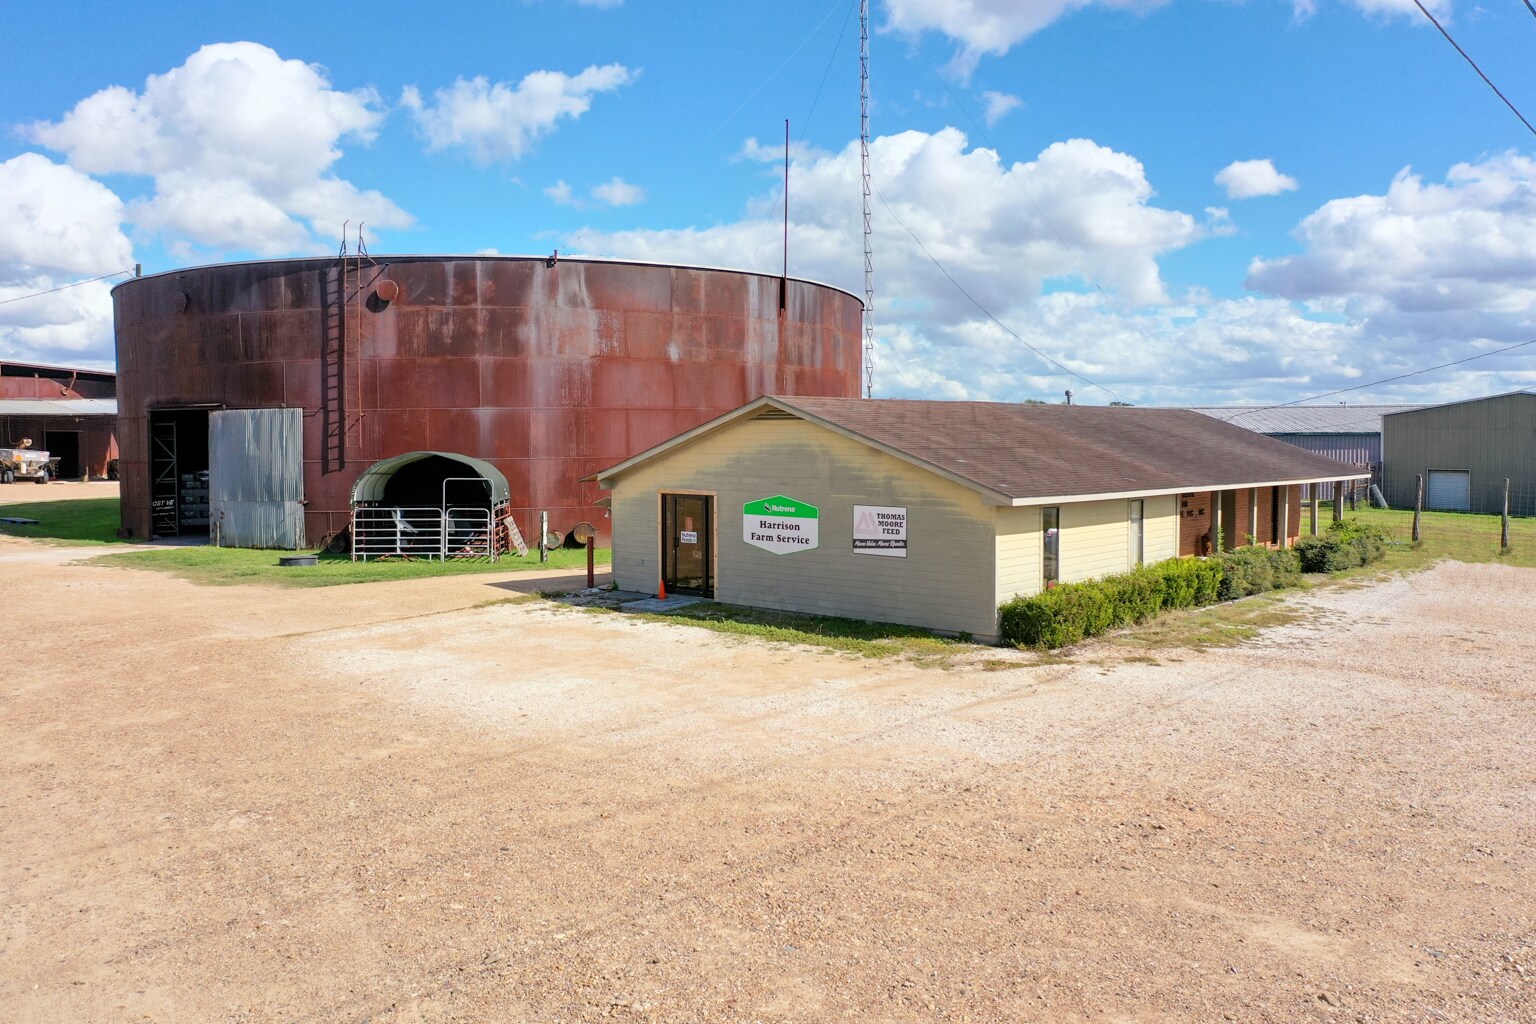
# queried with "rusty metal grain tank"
point(548, 369)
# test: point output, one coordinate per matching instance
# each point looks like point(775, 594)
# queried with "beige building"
point(933, 513)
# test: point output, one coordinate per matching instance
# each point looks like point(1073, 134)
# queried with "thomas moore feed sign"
point(880, 530)
point(781, 525)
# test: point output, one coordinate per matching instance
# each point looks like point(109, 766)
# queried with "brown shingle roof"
point(1041, 451)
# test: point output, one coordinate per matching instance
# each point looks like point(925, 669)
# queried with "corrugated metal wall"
point(1491, 438)
point(1355, 449)
point(256, 477)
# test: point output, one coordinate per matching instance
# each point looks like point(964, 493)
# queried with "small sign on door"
point(687, 536)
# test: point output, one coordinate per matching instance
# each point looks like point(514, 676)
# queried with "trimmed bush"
point(1072, 612)
point(1345, 546)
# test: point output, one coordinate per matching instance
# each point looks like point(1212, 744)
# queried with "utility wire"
point(1469, 60)
point(1530, 7)
point(986, 312)
point(1387, 380)
point(64, 287)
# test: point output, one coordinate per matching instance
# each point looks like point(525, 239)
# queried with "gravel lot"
point(382, 803)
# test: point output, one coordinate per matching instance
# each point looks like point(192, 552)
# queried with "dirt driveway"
point(380, 803)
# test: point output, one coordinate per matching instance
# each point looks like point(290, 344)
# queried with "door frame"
point(711, 554)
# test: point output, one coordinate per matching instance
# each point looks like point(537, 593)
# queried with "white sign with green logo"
point(781, 525)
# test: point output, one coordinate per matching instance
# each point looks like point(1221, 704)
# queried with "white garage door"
point(1450, 490)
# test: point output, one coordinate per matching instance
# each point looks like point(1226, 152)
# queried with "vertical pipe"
point(1504, 523)
point(591, 567)
point(1418, 504)
point(543, 536)
point(1314, 509)
point(786, 203)
point(1285, 518)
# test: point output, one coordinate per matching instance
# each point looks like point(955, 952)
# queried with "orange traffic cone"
point(661, 590)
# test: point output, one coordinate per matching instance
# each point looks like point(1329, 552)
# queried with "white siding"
point(946, 582)
point(1018, 552)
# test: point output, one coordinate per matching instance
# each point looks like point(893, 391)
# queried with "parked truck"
point(26, 463)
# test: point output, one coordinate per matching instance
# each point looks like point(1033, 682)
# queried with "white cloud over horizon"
point(499, 122)
point(1246, 179)
point(239, 143)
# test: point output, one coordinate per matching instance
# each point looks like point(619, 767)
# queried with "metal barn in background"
point(1465, 451)
point(548, 369)
point(1348, 433)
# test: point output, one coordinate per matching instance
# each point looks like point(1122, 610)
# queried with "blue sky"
point(1182, 202)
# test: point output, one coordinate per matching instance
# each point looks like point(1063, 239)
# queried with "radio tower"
point(869, 254)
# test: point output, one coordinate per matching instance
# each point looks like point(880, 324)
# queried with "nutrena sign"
point(781, 525)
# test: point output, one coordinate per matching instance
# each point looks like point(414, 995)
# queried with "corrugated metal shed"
point(1305, 419)
point(1488, 439)
point(58, 407)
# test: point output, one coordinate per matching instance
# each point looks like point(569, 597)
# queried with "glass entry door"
point(686, 534)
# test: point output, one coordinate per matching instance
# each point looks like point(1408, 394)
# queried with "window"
point(1138, 510)
point(1050, 530)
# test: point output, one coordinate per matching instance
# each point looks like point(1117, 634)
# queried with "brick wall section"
point(1195, 514)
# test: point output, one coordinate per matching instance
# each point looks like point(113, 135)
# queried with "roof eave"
point(1064, 499)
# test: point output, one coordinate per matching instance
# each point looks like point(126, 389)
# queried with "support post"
point(1504, 520)
point(1338, 501)
point(1352, 489)
point(1313, 489)
point(1285, 518)
point(543, 536)
point(591, 571)
point(1418, 504)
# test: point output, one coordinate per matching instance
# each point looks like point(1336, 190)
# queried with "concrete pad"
point(652, 604)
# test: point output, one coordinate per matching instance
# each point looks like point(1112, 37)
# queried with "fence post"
point(1504, 523)
point(1418, 504)
point(1338, 501)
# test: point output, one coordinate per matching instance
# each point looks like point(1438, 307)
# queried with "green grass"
point(93, 521)
point(224, 566)
point(87, 521)
point(1217, 625)
point(850, 636)
point(1456, 535)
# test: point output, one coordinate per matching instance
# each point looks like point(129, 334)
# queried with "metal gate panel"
point(1449, 490)
point(256, 477)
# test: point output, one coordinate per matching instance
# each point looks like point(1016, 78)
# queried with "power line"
point(986, 312)
point(1530, 7)
point(1469, 60)
point(1387, 380)
point(64, 287)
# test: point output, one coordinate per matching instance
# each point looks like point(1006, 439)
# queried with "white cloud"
point(990, 27)
point(239, 142)
point(561, 193)
point(57, 226)
point(56, 221)
point(983, 220)
point(501, 122)
point(1244, 179)
point(1452, 260)
point(618, 192)
point(1441, 9)
point(999, 105)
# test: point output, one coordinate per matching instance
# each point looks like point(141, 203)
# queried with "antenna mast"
point(869, 254)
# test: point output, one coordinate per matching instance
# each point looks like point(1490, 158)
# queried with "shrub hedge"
point(1344, 546)
point(1072, 612)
